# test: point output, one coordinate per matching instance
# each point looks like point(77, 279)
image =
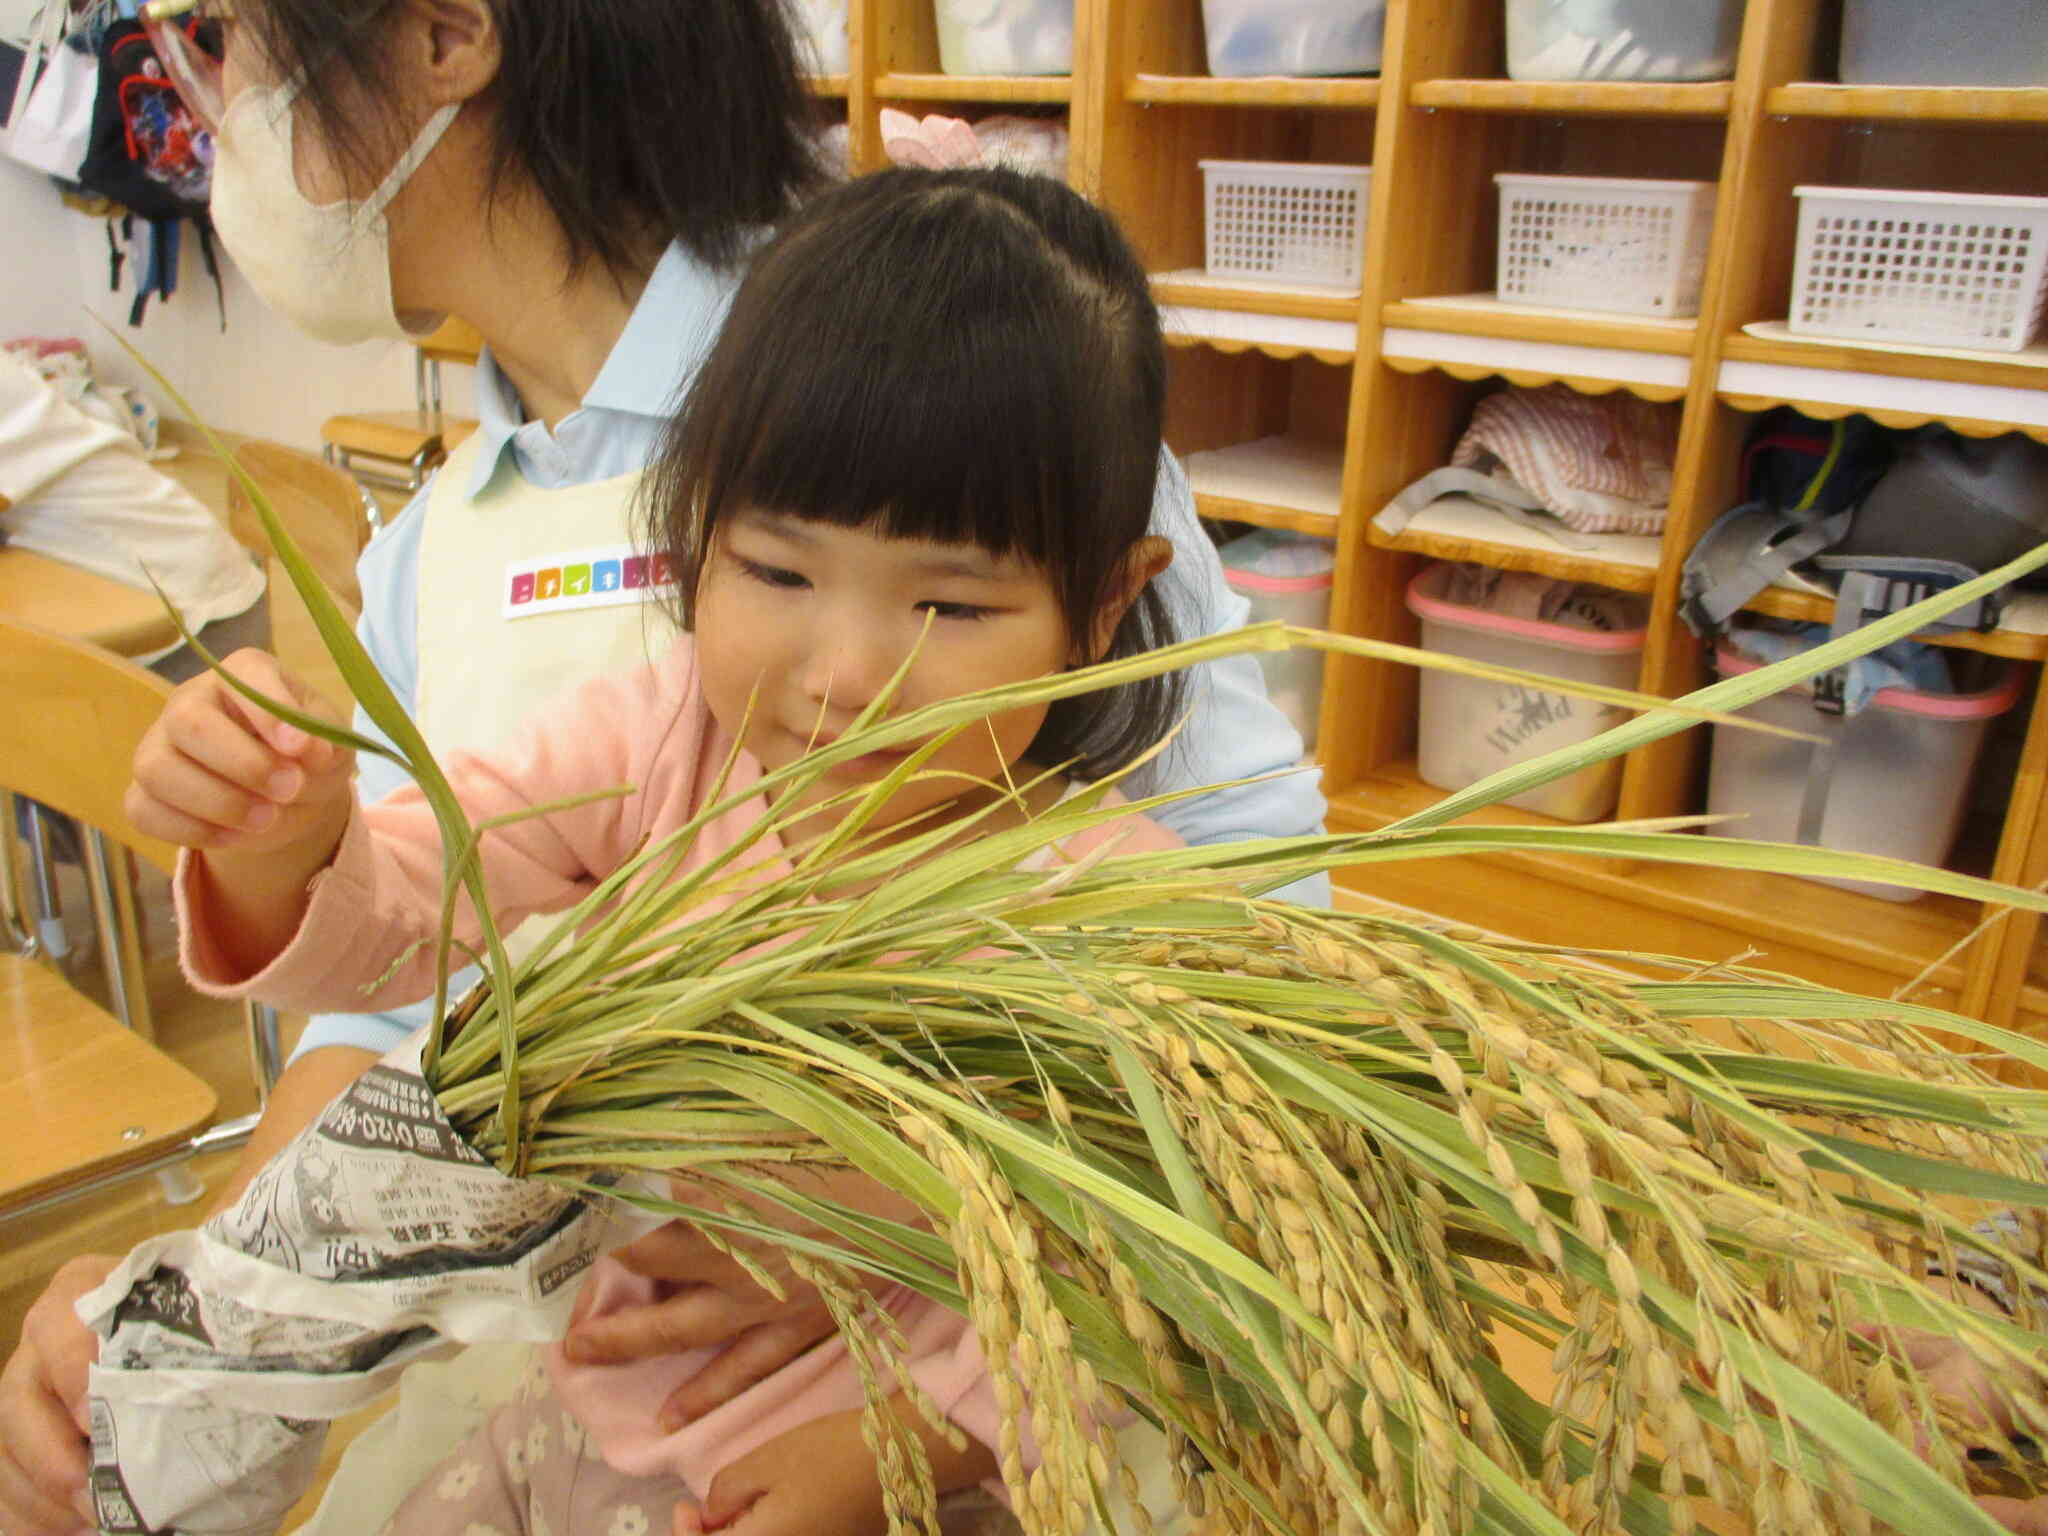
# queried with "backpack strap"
point(1744, 550)
point(1507, 497)
point(204, 226)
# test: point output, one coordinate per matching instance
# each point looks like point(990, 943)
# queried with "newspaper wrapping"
point(376, 1238)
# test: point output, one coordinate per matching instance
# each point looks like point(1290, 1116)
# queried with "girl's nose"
point(847, 666)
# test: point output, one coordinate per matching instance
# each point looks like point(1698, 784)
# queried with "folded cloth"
point(1909, 664)
point(1599, 463)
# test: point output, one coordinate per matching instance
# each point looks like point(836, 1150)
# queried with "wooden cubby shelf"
point(1683, 909)
point(1593, 370)
point(993, 89)
point(1982, 394)
point(1260, 91)
point(1274, 482)
point(1310, 409)
point(1481, 314)
point(1603, 98)
point(1234, 330)
point(1908, 103)
point(829, 86)
point(1459, 528)
point(1195, 289)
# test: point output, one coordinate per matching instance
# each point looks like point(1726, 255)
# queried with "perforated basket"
point(1933, 268)
point(1607, 243)
point(1268, 221)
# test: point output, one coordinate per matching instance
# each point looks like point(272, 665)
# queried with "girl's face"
point(812, 620)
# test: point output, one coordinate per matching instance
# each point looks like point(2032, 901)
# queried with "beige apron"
point(487, 662)
point(483, 671)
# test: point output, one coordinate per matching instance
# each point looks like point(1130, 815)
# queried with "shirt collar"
point(665, 340)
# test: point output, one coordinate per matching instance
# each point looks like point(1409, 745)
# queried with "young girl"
point(930, 424)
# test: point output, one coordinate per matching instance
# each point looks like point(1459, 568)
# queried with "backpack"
point(150, 154)
point(1878, 519)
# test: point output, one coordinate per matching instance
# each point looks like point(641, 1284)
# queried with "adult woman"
point(578, 179)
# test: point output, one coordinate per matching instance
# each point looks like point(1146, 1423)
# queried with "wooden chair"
point(395, 449)
point(88, 1101)
point(323, 508)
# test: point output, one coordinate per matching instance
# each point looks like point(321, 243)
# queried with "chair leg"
point(266, 1056)
point(118, 948)
point(43, 886)
point(13, 898)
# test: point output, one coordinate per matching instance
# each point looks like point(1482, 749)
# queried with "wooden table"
point(52, 595)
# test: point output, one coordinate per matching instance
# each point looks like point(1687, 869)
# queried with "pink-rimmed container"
point(1469, 727)
point(1901, 777)
point(1286, 576)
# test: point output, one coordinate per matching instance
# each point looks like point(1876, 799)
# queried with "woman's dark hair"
point(967, 357)
point(638, 121)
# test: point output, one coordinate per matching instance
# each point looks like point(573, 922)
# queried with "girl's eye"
point(772, 575)
point(956, 610)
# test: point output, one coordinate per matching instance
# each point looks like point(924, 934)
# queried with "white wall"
point(259, 376)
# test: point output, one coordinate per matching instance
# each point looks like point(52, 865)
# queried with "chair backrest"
point(77, 715)
point(321, 507)
point(453, 341)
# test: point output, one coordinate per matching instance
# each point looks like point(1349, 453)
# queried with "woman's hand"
point(264, 802)
point(1947, 1370)
point(44, 1435)
point(708, 1299)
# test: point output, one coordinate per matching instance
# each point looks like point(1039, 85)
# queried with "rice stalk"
point(1280, 1180)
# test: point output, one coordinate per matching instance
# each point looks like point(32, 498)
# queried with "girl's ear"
point(453, 47)
point(1144, 561)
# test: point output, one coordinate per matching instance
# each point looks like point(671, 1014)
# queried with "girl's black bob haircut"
point(637, 122)
point(962, 356)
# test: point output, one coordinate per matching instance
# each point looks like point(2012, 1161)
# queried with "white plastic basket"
point(1607, 243)
point(1933, 268)
point(1269, 221)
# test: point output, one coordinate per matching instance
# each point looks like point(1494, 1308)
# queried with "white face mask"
point(325, 267)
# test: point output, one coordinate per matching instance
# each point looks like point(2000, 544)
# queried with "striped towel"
point(1599, 463)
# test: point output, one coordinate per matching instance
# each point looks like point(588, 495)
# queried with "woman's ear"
point(1144, 561)
point(453, 48)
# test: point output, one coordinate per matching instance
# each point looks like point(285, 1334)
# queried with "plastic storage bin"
point(1933, 268)
point(1286, 576)
point(820, 27)
point(1471, 727)
point(1006, 37)
point(1270, 221)
point(1294, 37)
point(1604, 242)
point(1901, 778)
point(1955, 42)
point(1623, 39)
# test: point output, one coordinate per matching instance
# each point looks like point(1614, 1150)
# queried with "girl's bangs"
point(982, 454)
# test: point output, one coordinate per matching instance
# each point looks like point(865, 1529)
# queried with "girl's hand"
point(217, 772)
point(819, 1479)
point(707, 1299)
point(264, 802)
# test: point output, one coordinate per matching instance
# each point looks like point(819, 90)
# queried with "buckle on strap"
point(1830, 691)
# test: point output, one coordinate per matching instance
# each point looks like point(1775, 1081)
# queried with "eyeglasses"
point(171, 25)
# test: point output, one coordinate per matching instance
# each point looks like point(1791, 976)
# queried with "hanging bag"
point(51, 123)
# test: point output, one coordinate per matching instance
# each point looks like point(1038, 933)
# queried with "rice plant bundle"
point(1282, 1180)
